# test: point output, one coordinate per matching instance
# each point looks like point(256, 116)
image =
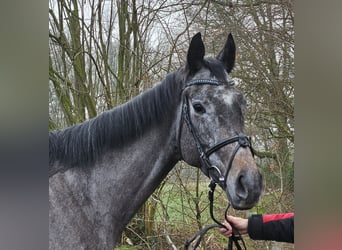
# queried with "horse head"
point(212, 122)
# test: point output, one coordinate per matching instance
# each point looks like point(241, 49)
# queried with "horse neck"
point(127, 176)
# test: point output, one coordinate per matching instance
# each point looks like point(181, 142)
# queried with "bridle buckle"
point(244, 140)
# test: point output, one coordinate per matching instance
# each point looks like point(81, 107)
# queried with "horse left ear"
point(227, 54)
point(195, 53)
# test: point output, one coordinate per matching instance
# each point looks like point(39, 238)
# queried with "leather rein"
point(242, 141)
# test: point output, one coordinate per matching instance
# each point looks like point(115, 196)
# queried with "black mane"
point(84, 142)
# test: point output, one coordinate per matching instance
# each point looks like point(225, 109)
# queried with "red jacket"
point(277, 227)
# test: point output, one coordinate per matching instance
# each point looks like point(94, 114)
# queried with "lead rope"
point(234, 239)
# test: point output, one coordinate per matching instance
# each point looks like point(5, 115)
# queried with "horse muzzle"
point(245, 189)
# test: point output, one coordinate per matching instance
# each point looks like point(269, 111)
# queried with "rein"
point(234, 239)
point(242, 141)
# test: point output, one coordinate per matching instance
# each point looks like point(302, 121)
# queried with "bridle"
point(207, 167)
point(243, 140)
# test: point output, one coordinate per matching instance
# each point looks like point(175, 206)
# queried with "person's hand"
point(226, 230)
point(239, 224)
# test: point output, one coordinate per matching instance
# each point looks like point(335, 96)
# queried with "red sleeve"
point(275, 217)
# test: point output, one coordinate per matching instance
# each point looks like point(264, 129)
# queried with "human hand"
point(240, 226)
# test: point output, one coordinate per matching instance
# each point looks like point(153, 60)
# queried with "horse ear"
point(195, 53)
point(227, 54)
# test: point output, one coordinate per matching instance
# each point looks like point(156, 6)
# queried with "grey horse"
point(104, 169)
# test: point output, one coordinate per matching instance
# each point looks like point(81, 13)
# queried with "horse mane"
point(84, 143)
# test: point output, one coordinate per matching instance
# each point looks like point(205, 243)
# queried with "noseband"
point(242, 141)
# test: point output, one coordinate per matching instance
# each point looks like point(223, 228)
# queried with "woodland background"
point(104, 52)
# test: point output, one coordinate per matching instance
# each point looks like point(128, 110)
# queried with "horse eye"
point(198, 108)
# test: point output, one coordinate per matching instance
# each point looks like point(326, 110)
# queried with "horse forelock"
point(216, 68)
point(84, 143)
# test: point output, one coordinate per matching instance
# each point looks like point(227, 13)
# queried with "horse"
point(101, 171)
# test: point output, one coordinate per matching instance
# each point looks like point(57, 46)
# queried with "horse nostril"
point(241, 188)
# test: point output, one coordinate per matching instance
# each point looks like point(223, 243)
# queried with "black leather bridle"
point(242, 141)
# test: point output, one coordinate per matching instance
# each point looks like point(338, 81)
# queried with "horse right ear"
point(195, 54)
